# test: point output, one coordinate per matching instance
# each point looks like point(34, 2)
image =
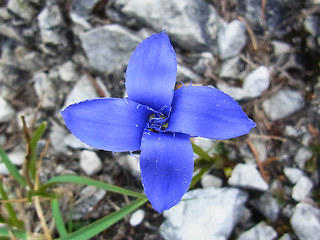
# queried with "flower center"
point(157, 122)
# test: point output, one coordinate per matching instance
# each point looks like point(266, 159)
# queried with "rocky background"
point(263, 53)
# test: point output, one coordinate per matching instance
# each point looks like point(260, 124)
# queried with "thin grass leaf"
point(33, 146)
point(5, 232)
point(58, 218)
point(200, 152)
point(12, 168)
point(13, 219)
point(96, 227)
point(196, 178)
point(91, 182)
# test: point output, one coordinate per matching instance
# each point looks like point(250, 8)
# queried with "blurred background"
point(264, 53)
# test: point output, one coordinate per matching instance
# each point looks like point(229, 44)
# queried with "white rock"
point(293, 174)
point(291, 131)
point(208, 181)
point(232, 39)
point(204, 214)
point(280, 47)
point(109, 47)
point(282, 104)
point(302, 156)
point(67, 72)
point(90, 163)
point(81, 91)
point(230, 68)
point(237, 93)
point(259, 231)
point(306, 222)
point(45, 88)
point(17, 157)
point(73, 142)
point(247, 176)
point(50, 18)
point(21, 8)
point(7, 112)
point(286, 237)
point(57, 137)
point(131, 163)
point(184, 74)
point(3, 169)
point(136, 218)
point(206, 144)
point(268, 206)
point(192, 24)
point(257, 81)
point(302, 189)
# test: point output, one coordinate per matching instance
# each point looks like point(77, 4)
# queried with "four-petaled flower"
point(158, 121)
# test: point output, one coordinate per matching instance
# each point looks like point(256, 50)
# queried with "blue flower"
point(158, 121)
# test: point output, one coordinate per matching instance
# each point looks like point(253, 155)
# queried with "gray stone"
point(46, 89)
point(89, 197)
point(259, 231)
point(204, 214)
point(136, 218)
point(268, 206)
point(209, 181)
point(302, 156)
point(184, 74)
point(21, 9)
point(302, 189)
point(311, 24)
point(306, 221)
point(293, 174)
point(81, 91)
point(130, 163)
point(50, 19)
point(205, 144)
point(73, 142)
point(7, 112)
point(80, 13)
point(286, 237)
point(67, 72)
point(57, 137)
point(282, 104)
point(3, 169)
point(257, 81)
point(237, 93)
point(192, 24)
point(247, 176)
point(291, 131)
point(232, 39)
point(280, 47)
point(231, 68)
point(109, 47)
point(90, 163)
point(17, 157)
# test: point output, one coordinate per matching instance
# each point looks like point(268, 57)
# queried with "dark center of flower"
point(157, 122)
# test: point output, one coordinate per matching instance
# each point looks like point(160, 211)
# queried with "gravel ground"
point(265, 54)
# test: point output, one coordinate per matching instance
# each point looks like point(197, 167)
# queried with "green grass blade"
point(96, 227)
point(33, 146)
point(196, 178)
point(200, 152)
point(13, 219)
point(91, 182)
point(12, 168)
point(5, 232)
point(58, 217)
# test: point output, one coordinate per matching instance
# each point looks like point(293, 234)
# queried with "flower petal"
point(110, 124)
point(166, 163)
point(207, 112)
point(151, 73)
